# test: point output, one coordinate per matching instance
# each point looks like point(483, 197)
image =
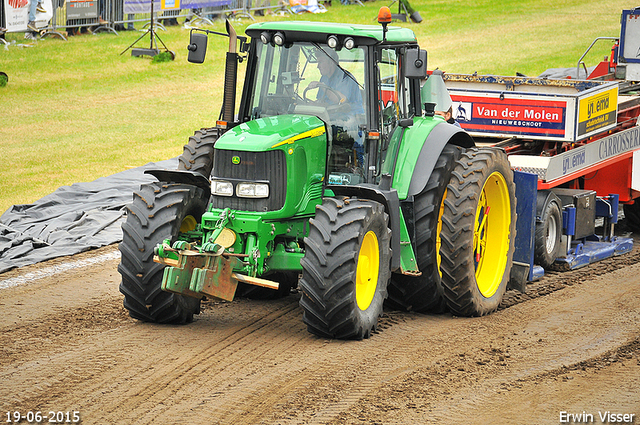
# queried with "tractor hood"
point(270, 133)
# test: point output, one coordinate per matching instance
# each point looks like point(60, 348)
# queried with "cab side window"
point(393, 90)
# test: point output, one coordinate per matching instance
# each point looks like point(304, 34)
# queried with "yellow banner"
point(597, 112)
point(598, 104)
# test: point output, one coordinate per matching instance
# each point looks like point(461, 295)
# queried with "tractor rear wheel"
point(424, 293)
point(158, 211)
point(346, 268)
point(197, 154)
point(478, 232)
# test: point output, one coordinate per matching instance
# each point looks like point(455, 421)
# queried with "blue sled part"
point(537, 273)
point(583, 253)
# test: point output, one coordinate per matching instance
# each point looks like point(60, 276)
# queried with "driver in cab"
point(339, 87)
point(343, 87)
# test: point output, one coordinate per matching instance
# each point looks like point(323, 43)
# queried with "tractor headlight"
point(349, 43)
point(278, 38)
point(332, 41)
point(265, 37)
point(252, 190)
point(221, 188)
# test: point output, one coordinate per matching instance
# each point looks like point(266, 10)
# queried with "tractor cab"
point(307, 78)
point(347, 76)
point(359, 80)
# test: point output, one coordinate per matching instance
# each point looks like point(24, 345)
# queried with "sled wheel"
point(478, 232)
point(197, 154)
point(158, 211)
point(346, 268)
point(548, 234)
point(424, 293)
point(632, 216)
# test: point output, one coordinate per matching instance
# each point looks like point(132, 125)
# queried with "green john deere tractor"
point(332, 181)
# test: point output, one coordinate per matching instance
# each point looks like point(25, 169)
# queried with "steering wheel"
point(336, 93)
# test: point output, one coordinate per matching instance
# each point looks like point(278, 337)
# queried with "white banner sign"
point(17, 14)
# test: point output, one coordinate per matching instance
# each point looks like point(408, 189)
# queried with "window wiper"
point(347, 73)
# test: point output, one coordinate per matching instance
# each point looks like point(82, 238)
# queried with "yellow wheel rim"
point(367, 270)
point(188, 224)
point(438, 233)
point(491, 234)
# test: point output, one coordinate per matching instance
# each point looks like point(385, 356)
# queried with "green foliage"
point(162, 57)
point(77, 110)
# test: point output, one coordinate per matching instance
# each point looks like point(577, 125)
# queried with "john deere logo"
point(235, 160)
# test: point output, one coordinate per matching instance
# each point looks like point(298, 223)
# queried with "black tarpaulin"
point(72, 219)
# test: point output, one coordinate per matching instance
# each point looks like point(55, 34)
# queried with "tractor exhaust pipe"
point(230, 76)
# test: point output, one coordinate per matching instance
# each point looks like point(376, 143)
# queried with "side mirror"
point(416, 61)
point(197, 47)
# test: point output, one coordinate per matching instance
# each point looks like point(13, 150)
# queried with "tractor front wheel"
point(159, 211)
point(478, 232)
point(346, 268)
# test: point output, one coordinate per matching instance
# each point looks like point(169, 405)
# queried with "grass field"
point(77, 110)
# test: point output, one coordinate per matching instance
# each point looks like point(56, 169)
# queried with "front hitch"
point(207, 270)
point(197, 274)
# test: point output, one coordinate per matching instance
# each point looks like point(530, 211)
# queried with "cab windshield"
point(313, 79)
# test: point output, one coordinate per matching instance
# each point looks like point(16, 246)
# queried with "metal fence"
point(72, 17)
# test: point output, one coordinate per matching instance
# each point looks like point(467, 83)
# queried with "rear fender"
point(440, 136)
point(179, 176)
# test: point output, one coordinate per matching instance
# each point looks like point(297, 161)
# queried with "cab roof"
point(319, 31)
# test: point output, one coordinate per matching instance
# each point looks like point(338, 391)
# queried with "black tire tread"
point(197, 154)
point(154, 215)
point(458, 271)
point(424, 293)
point(329, 267)
point(541, 256)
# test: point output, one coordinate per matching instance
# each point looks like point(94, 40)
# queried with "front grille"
point(267, 166)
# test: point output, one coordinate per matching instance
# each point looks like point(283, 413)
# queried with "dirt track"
point(572, 344)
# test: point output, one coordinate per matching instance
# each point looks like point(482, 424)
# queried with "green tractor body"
point(354, 195)
point(284, 155)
